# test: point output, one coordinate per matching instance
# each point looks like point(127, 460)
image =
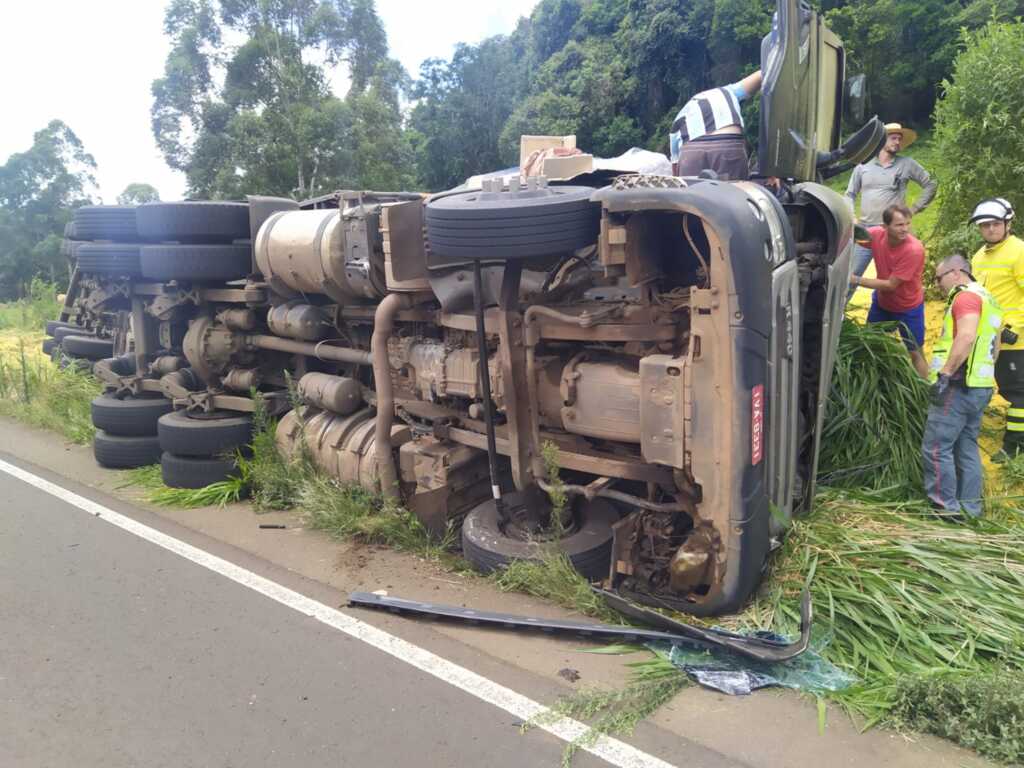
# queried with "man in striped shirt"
point(708, 132)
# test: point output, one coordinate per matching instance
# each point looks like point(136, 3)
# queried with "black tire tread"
point(196, 262)
point(88, 347)
point(195, 472)
point(204, 221)
point(128, 417)
point(118, 452)
point(182, 435)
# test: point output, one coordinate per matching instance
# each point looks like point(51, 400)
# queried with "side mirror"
point(856, 98)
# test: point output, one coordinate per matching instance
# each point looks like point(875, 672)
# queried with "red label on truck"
point(756, 424)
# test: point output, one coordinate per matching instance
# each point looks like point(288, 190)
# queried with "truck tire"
point(195, 472)
point(53, 325)
point(59, 334)
point(48, 346)
point(117, 452)
point(206, 435)
point(588, 547)
point(88, 347)
point(130, 417)
point(109, 258)
point(207, 222)
point(511, 225)
point(196, 262)
point(104, 222)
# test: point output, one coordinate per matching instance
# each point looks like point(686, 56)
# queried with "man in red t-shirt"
point(899, 290)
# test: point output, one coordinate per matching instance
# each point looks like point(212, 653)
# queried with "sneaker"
point(1000, 457)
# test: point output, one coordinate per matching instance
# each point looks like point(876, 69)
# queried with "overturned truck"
point(631, 368)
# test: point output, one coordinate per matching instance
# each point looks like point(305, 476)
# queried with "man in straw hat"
point(882, 181)
point(963, 376)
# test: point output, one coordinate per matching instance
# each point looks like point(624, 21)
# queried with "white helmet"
point(992, 209)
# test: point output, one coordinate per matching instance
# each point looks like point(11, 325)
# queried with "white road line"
point(616, 752)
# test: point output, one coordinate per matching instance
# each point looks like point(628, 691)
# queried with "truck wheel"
point(59, 334)
point(89, 347)
point(130, 417)
point(588, 546)
point(53, 325)
point(512, 225)
point(195, 472)
point(109, 258)
point(118, 452)
point(196, 262)
point(104, 222)
point(203, 435)
point(210, 222)
point(48, 346)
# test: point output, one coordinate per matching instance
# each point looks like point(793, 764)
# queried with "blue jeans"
point(952, 462)
point(861, 259)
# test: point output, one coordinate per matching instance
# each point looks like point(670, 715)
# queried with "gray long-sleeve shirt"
point(880, 186)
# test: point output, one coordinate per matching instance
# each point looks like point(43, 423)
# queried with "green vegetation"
point(137, 194)
point(553, 578)
point(38, 189)
point(978, 130)
point(984, 712)
point(30, 313)
point(877, 409)
point(245, 104)
point(150, 480)
point(34, 390)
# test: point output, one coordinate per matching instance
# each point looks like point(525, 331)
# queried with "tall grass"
point(876, 414)
point(34, 390)
point(31, 312)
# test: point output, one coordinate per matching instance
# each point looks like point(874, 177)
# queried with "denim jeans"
point(952, 462)
point(861, 259)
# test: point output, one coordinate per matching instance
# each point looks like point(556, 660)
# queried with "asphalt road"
point(115, 652)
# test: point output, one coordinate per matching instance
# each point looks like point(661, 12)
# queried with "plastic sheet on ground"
point(728, 673)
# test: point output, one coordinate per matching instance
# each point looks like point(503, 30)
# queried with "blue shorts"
point(911, 322)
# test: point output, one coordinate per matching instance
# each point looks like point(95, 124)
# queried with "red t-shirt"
point(905, 261)
point(965, 303)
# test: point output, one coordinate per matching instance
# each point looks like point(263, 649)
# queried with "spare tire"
point(211, 222)
point(204, 434)
point(196, 262)
point(109, 258)
point(510, 225)
point(588, 545)
point(130, 417)
point(117, 452)
point(89, 347)
point(195, 471)
point(104, 222)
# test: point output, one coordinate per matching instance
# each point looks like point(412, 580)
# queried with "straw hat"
point(909, 134)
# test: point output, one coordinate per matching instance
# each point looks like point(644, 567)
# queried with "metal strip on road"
point(611, 750)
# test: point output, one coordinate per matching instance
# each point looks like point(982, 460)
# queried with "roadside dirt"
point(770, 728)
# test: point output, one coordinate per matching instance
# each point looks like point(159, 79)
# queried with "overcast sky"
point(91, 65)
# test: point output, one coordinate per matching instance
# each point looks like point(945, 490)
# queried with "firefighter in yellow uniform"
point(963, 375)
point(999, 267)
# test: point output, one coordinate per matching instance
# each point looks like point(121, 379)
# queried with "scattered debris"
point(572, 675)
point(275, 526)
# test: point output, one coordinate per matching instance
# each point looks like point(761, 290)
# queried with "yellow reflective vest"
point(981, 361)
point(1000, 269)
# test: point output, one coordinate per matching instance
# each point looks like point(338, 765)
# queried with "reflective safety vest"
point(1000, 269)
point(981, 362)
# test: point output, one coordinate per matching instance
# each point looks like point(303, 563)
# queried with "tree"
point(137, 194)
point(979, 129)
point(259, 117)
point(38, 190)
